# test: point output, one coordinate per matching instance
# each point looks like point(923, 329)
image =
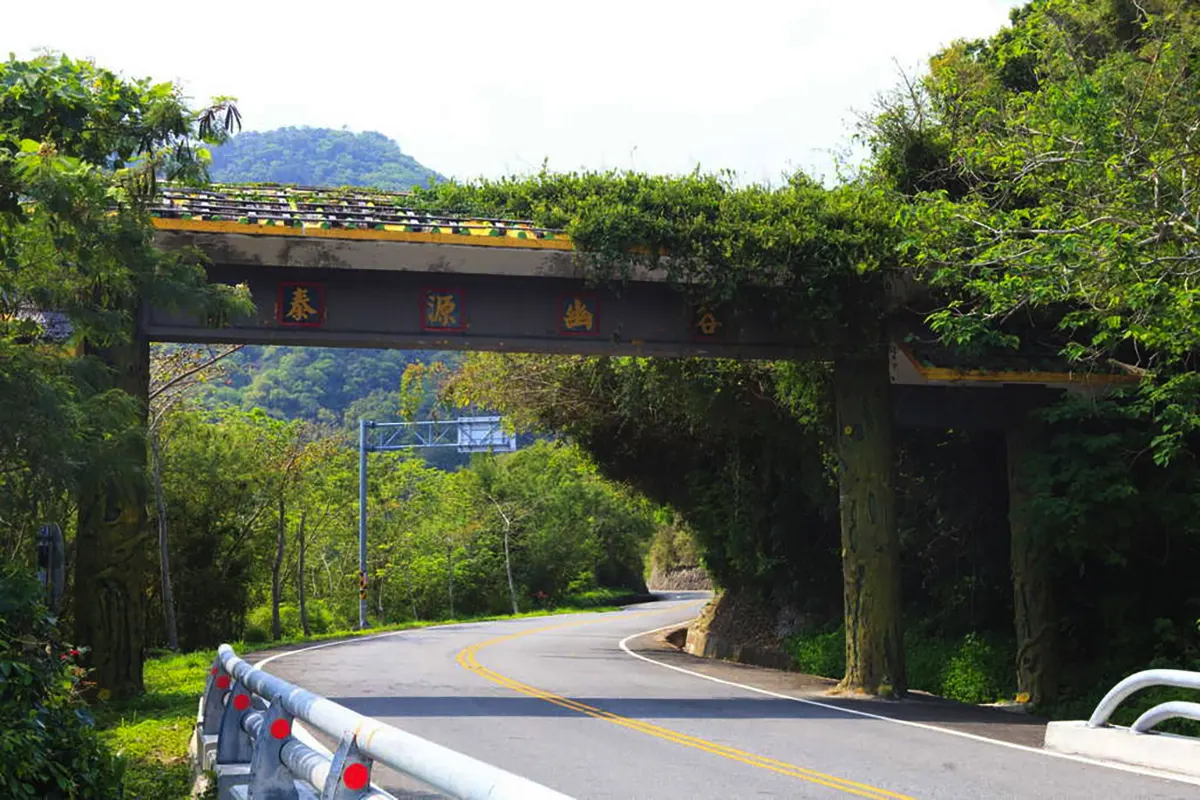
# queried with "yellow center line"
point(467, 659)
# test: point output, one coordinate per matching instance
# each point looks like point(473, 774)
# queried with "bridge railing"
point(1177, 678)
point(245, 733)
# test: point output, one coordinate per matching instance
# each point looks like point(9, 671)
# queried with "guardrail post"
point(208, 722)
point(269, 778)
point(234, 749)
point(349, 772)
point(233, 743)
point(215, 690)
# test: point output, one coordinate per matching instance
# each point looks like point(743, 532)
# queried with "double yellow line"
point(467, 659)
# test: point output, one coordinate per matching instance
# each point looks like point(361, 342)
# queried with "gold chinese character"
point(443, 310)
point(578, 316)
point(708, 323)
point(301, 307)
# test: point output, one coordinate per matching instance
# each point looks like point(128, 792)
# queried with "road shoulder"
point(1010, 727)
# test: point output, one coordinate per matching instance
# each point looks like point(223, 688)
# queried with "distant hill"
point(331, 386)
point(318, 157)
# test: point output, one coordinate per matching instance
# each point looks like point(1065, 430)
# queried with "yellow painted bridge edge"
point(560, 242)
point(955, 375)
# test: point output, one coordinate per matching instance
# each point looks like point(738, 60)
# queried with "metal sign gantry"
point(466, 434)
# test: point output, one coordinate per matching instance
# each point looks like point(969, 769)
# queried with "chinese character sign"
point(577, 315)
point(705, 323)
point(301, 304)
point(442, 310)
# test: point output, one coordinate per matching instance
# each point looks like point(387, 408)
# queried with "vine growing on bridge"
point(821, 251)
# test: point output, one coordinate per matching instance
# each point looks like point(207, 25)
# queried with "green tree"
point(742, 451)
point(1051, 173)
point(80, 153)
point(175, 374)
point(1056, 209)
point(218, 489)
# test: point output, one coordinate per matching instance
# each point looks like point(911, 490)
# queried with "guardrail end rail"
point(1138, 744)
point(1177, 709)
point(1177, 678)
point(349, 772)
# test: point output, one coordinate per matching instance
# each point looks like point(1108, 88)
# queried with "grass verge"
point(151, 731)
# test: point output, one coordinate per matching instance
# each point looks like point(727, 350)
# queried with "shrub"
point(973, 669)
point(821, 654)
point(48, 746)
point(258, 621)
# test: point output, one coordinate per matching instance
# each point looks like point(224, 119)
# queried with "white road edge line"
point(308, 739)
point(1144, 771)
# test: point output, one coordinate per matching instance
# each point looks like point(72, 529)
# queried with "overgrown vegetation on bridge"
point(1034, 193)
point(1037, 192)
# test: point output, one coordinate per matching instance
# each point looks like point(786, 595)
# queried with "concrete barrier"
point(1160, 751)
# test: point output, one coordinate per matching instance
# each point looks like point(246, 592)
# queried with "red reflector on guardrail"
point(280, 728)
point(355, 776)
point(241, 701)
point(222, 681)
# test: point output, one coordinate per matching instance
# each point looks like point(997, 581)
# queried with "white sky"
point(487, 89)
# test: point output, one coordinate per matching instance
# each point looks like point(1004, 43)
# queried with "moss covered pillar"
point(112, 540)
point(870, 543)
point(1035, 616)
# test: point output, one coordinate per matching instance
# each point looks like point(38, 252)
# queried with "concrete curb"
point(1160, 751)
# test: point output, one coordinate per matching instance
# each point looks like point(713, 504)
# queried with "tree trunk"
point(111, 564)
point(276, 628)
point(512, 590)
point(1032, 569)
point(412, 597)
point(408, 580)
point(380, 584)
point(301, 596)
point(164, 557)
point(870, 543)
point(450, 574)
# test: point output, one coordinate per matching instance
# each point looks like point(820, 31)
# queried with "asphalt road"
point(633, 729)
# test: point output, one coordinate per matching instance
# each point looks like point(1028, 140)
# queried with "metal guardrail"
point(1177, 678)
point(244, 732)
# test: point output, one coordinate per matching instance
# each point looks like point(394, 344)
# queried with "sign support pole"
point(362, 524)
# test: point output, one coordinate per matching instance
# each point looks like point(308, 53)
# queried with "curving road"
point(560, 701)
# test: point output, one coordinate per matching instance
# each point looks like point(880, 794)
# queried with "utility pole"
point(51, 564)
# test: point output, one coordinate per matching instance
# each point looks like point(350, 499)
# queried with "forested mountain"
point(326, 385)
point(318, 157)
point(334, 387)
